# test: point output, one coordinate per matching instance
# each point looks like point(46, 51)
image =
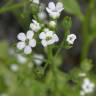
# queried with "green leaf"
point(72, 7)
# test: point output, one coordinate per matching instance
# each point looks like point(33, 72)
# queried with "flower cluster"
point(46, 35)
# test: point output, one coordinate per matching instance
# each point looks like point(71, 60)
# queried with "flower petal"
point(32, 43)
point(59, 6)
point(30, 34)
point(49, 33)
point(42, 35)
point(27, 50)
point(51, 5)
point(56, 38)
point(21, 36)
point(20, 45)
point(50, 42)
point(48, 10)
point(44, 43)
point(34, 21)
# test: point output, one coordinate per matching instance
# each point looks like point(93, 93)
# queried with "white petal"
point(30, 34)
point(20, 45)
point(59, 6)
point(42, 35)
point(32, 43)
point(49, 33)
point(51, 5)
point(44, 43)
point(33, 26)
point(34, 21)
point(27, 50)
point(56, 38)
point(50, 42)
point(48, 10)
point(21, 36)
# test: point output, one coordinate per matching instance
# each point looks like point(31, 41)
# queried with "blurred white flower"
point(54, 10)
point(35, 26)
point(82, 93)
point(48, 37)
point(38, 59)
point(26, 41)
point(21, 59)
point(88, 86)
point(42, 15)
point(71, 38)
point(82, 74)
point(52, 24)
point(14, 67)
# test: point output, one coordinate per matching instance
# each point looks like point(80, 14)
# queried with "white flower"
point(88, 86)
point(26, 42)
point(48, 37)
point(52, 24)
point(54, 10)
point(71, 38)
point(38, 59)
point(35, 26)
point(14, 67)
point(21, 59)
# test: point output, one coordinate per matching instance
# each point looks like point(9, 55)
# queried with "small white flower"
point(26, 41)
point(88, 86)
point(35, 26)
point(21, 59)
point(14, 67)
point(38, 59)
point(54, 10)
point(48, 37)
point(71, 38)
point(52, 24)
